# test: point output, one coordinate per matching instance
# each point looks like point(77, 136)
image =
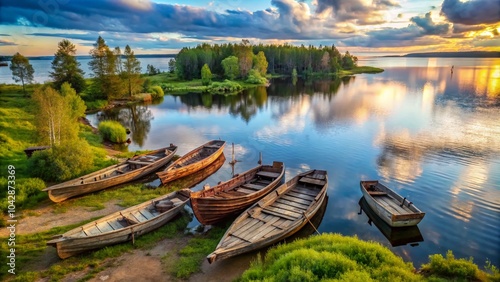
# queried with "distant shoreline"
point(472, 54)
point(89, 57)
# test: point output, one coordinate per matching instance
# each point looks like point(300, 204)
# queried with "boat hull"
point(210, 209)
point(386, 210)
point(175, 171)
point(70, 189)
point(71, 242)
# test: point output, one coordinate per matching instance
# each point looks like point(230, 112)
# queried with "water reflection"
point(137, 118)
point(396, 236)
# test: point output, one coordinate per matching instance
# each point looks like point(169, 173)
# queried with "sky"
point(364, 27)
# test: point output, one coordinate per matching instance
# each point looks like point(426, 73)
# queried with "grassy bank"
point(359, 70)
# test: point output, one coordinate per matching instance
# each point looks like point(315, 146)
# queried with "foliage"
point(151, 70)
point(231, 67)
point(22, 70)
point(171, 66)
point(225, 86)
point(331, 256)
point(106, 83)
point(450, 268)
point(260, 63)
point(156, 91)
point(65, 67)
point(28, 192)
point(245, 59)
point(75, 104)
point(254, 77)
point(186, 64)
point(113, 131)
point(131, 73)
point(96, 104)
point(349, 61)
point(146, 85)
point(54, 117)
point(206, 75)
point(64, 161)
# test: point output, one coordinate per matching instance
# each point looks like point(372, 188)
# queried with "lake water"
point(432, 135)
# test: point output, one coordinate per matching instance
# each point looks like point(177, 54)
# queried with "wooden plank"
point(252, 230)
point(236, 193)
point(273, 213)
point(92, 231)
point(282, 213)
point(377, 193)
point(253, 186)
point(224, 195)
point(307, 191)
point(263, 182)
point(268, 174)
point(116, 225)
point(283, 223)
point(139, 163)
point(288, 207)
point(318, 176)
point(138, 216)
point(246, 191)
point(296, 200)
point(146, 214)
point(250, 224)
point(292, 203)
point(263, 230)
point(300, 195)
point(312, 181)
point(104, 227)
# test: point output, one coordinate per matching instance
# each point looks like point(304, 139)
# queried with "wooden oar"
point(304, 213)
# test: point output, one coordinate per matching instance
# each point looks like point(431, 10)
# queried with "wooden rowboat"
point(196, 178)
point(278, 215)
point(235, 195)
point(397, 236)
point(389, 205)
point(131, 169)
point(122, 226)
point(193, 161)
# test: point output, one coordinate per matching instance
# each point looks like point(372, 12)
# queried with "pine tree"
point(22, 70)
point(65, 67)
point(131, 72)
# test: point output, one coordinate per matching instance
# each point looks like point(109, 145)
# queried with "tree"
point(260, 63)
point(73, 101)
point(171, 66)
point(245, 59)
point(65, 67)
point(231, 67)
point(151, 70)
point(348, 61)
point(131, 72)
point(106, 82)
point(22, 70)
point(53, 117)
point(206, 75)
point(118, 55)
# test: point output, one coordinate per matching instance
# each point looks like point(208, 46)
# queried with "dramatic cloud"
point(429, 27)
point(6, 43)
point(472, 12)
point(359, 11)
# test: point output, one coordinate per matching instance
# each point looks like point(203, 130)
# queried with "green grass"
point(92, 262)
point(192, 255)
point(113, 131)
point(360, 69)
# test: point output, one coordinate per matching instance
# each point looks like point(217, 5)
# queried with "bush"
point(62, 162)
point(28, 192)
point(330, 256)
point(156, 92)
point(254, 77)
point(225, 86)
point(113, 131)
point(451, 268)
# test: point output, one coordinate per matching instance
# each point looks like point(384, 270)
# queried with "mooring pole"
point(260, 158)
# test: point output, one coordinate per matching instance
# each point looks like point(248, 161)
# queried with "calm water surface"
point(432, 135)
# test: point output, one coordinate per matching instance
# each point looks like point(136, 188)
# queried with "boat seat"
point(268, 174)
point(377, 193)
point(211, 147)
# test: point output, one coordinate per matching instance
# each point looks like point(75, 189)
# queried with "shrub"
point(28, 191)
point(113, 131)
point(156, 92)
point(254, 77)
point(451, 268)
point(330, 256)
point(225, 86)
point(65, 161)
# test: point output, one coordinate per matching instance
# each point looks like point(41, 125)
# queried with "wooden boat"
point(197, 177)
point(121, 226)
point(278, 215)
point(390, 206)
point(131, 169)
point(193, 161)
point(235, 195)
point(397, 236)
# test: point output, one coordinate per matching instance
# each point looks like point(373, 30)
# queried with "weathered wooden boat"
point(122, 226)
point(197, 177)
point(193, 161)
point(278, 215)
point(389, 205)
point(235, 195)
point(397, 236)
point(131, 169)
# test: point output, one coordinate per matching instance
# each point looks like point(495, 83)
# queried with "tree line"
point(237, 60)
